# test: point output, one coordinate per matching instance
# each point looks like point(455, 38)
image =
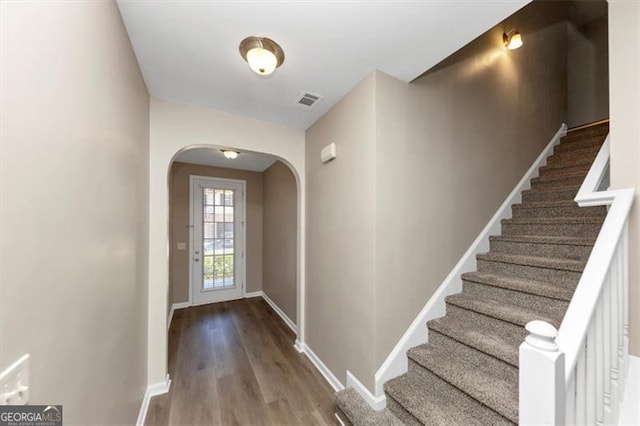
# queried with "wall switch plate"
point(182, 246)
point(14, 383)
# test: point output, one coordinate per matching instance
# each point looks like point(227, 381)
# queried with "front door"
point(217, 242)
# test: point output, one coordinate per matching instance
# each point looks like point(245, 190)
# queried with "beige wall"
point(340, 235)
point(279, 238)
point(74, 185)
point(421, 168)
point(179, 225)
point(450, 147)
point(588, 72)
point(624, 82)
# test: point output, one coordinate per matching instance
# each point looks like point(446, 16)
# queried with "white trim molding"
point(280, 312)
point(396, 363)
point(276, 308)
point(174, 308)
point(323, 369)
point(629, 410)
point(376, 402)
point(151, 391)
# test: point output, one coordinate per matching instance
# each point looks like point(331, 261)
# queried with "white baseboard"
point(629, 409)
point(150, 392)
point(340, 422)
point(299, 346)
point(376, 402)
point(276, 308)
point(323, 369)
point(280, 312)
point(396, 363)
point(174, 308)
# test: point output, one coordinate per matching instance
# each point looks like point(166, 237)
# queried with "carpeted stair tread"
point(557, 220)
point(359, 413)
point(591, 143)
point(573, 169)
point(592, 148)
point(481, 336)
point(503, 310)
point(549, 204)
point(540, 262)
point(554, 189)
point(579, 136)
point(545, 239)
point(538, 288)
point(432, 401)
point(473, 378)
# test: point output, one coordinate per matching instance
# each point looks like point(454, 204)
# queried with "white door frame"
point(243, 219)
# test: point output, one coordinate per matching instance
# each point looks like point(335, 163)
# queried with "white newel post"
point(541, 377)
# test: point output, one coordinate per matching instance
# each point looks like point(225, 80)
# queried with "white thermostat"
point(328, 153)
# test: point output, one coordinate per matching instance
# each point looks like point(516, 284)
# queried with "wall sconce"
point(512, 39)
point(230, 154)
point(262, 54)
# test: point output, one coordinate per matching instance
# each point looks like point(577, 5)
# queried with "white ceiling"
point(252, 161)
point(188, 51)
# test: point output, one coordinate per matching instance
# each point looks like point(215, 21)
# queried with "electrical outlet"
point(14, 383)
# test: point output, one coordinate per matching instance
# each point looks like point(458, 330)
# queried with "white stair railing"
point(575, 375)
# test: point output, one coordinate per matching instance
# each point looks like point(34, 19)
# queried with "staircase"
point(468, 372)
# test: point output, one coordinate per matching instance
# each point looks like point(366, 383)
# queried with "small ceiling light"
point(512, 39)
point(231, 155)
point(262, 54)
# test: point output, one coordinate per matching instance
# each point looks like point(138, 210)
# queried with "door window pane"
point(218, 239)
point(208, 196)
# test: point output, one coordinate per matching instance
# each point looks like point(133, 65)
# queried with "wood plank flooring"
point(233, 363)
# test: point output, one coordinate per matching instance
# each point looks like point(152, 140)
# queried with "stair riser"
point(568, 157)
point(559, 172)
point(555, 212)
point(403, 415)
point(587, 145)
point(502, 327)
point(564, 195)
point(563, 229)
point(585, 134)
point(559, 251)
point(560, 277)
point(573, 181)
point(502, 369)
point(428, 376)
point(582, 163)
point(544, 304)
point(343, 417)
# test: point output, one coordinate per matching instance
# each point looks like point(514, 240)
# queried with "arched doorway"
point(176, 128)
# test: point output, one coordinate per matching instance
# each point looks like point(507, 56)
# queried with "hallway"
point(234, 363)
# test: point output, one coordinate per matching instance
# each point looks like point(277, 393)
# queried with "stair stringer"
point(416, 334)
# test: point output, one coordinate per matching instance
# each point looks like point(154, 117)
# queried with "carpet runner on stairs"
point(468, 371)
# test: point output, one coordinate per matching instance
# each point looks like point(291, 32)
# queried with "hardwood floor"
point(233, 363)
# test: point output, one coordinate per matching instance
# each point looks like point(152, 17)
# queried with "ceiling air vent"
point(308, 100)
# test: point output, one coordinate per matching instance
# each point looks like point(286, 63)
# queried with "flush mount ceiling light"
point(512, 39)
point(262, 54)
point(230, 154)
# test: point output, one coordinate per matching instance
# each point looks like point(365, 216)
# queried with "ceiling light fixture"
point(262, 54)
point(512, 39)
point(230, 154)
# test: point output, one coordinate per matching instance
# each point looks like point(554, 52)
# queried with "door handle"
point(196, 260)
point(197, 252)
